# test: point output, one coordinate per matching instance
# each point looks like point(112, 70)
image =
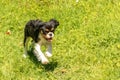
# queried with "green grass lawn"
point(86, 44)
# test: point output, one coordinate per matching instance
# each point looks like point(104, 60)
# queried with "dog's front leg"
point(40, 56)
point(49, 50)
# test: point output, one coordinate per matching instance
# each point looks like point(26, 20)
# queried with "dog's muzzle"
point(49, 36)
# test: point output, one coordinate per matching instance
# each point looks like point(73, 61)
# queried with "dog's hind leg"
point(26, 40)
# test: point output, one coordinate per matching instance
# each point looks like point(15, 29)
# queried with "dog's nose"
point(50, 34)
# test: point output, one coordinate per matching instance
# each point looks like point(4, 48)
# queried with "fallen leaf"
point(8, 32)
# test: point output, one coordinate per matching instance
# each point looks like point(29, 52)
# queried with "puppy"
point(42, 33)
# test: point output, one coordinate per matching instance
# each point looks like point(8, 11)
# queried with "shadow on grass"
point(51, 66)
point(48, 67)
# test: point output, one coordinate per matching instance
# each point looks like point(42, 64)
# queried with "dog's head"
point(48, 28)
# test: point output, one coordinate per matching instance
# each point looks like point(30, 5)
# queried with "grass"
point(86, 45)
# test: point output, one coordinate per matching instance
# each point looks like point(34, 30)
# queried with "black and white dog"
point(42, 33)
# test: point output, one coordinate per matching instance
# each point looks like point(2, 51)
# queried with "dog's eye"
point(47, 31)
point(52, 31)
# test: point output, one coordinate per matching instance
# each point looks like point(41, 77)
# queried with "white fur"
point(38, 53)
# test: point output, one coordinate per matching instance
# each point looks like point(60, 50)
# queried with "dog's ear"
point(39, 25)
point(54, 22)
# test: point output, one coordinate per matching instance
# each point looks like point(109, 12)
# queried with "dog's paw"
point(44, 60)
point(48, 54)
